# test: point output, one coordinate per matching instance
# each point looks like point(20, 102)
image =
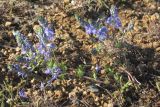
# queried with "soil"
point(139, 52)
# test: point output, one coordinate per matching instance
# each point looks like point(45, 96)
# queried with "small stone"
point(8, 23)
point(110, 105)
point(66, 1)
point(30, 35)
point(158, 49)
point(49, 93)
point(3, 69)
point(18, 49)
point(33, 81)
point(96, 98)
point(35, 93)
point(5, 52)
point(105, 105)
point(103, 71)
point(84, 92)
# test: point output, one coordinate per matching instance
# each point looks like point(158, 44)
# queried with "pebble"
point(96, 98)
point(110, 105)
point(5, 52)
point(18, 49)
point(103, 71)
point(8, 23)
point(3, 69)
point(30, 35)
point(84, 92)
point(158, 49)
point(35, 93)
point(66, 1)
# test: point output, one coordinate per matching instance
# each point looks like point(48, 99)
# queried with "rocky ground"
point(136, 60)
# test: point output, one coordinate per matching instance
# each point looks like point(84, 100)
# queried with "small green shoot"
point(80, 71)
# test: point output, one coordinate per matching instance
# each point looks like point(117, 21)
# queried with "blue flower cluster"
point(45, 35)
point(114, 20)
point(91, 29)
point(23, 43)
point(36, 55)
point(101, 31)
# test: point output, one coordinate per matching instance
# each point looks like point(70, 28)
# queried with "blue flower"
point(23, 59)
point(90, 29)
point(22, 93)
point(40, 34)
point(114, 21)
point(49, 33)
point(42, 49)
point(45, 50)
point(55, 71)
point(54, 77)
point(46, 31)
point(22, 41)
point(102, 33)
point(22, 74)
point(48, 71)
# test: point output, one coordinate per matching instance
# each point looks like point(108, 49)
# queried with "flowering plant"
point(34, 57)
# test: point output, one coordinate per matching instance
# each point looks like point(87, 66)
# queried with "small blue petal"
point(22, 93)
point(114, 21)
point(90, 29)
point(49, 33)
point(48, 71)
point(102, 33)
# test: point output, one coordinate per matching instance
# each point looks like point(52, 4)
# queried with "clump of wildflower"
point(45, 35)
point(23, 43)
point(40, 34)
point(48, 32)
point(114, 20)
point(94, 29)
